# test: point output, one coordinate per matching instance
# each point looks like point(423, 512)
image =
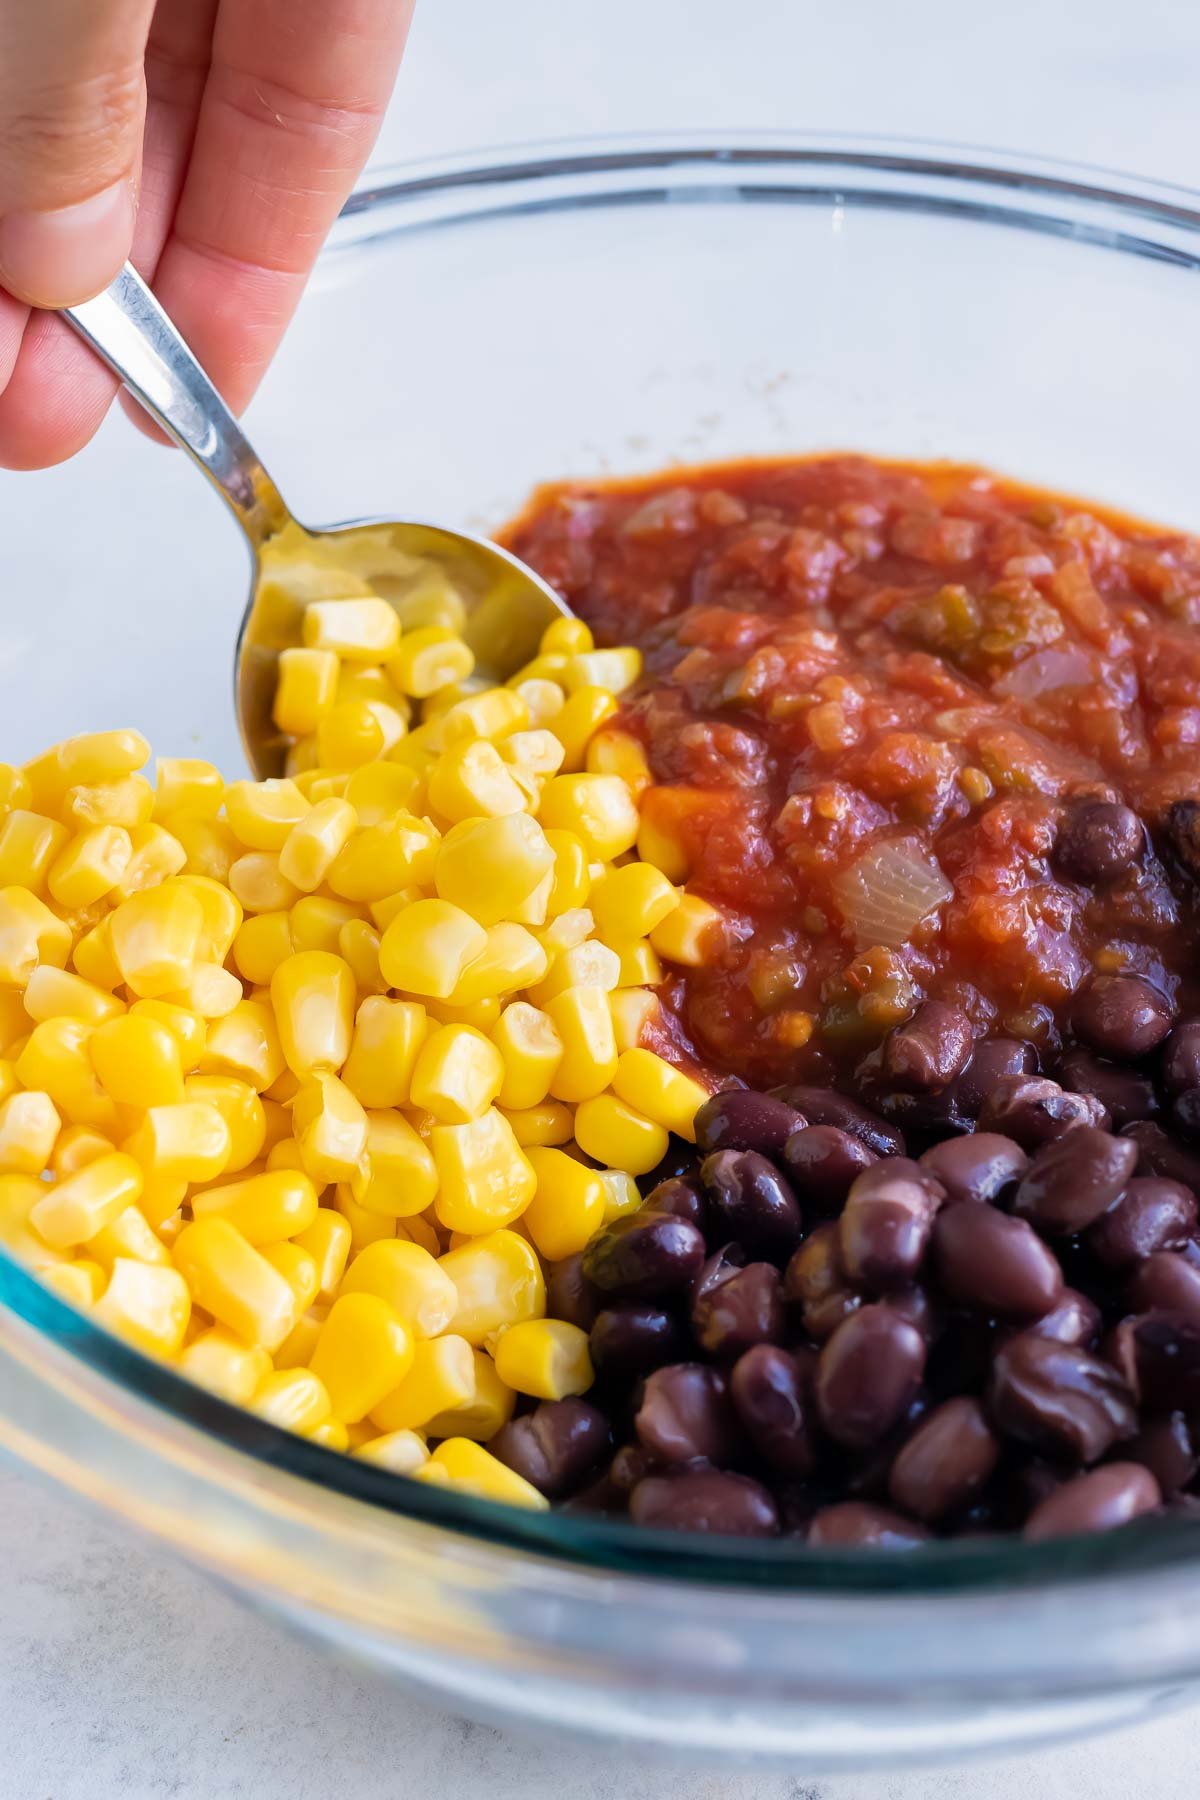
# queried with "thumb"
point(72, 107)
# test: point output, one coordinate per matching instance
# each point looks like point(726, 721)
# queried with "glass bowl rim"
point(1094, 205)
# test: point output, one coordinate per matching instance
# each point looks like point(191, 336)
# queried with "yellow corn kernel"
point(209, 990)
point(630, 901)
point(331, 1129)
point(690, 935)
point(222, 916)
point(531, 1051)
point(262, 814)
point(566, 637)
point(146, 1304)
point(484, 1177)
point(639, 961)
point(293, 1399)
point(186, 788)
point(154, 937)
point(74, 1210)
point(89, 866)
point(19, 1194)
point(617, 1135)
point(356, 630)
point(301, 1340)
point(93, 757)
point(262, 943)
point(278, 1120)
point(75, 1147)
point(316, 842)
point(29, 934)
point(364, 1351)
point(264, 1207)
point(130, 1236)
point(359, 943)
point(590, 964)
point(222, 1363)
point(368, 682)
point(234, 1283)
point(493, 713)
point(441, 1376)
point(490, 867)
point(366, 1227)
point(421, 1231)
point(473, 1470)
point(388, 1035)
point(8, 1074)
point(472, 780)
point(583, 1020)
point(56, 993)
point(621, 1194)
point(331, 1434)
point(245, 1044)
point(317, 922)
point(572, 876)
point(313, 997)
point(157, 854)
point(327, 1240)
point(568, 1207)
point(297, 1268)
point(349, 736)
point(665, 1094)
point(304, 690)
point(186, 1142)
point(498, 1280)
point(137, 1061)
point(537, 751)
point(29, 1125)
point(78, 1283)
point(188, 1029)
point(428, 658)
point(300, 764)
point(480, 1015)
point(426, 948)
point(616, 752)
point(598, 808)
point(318, 784)
point(511, 959)
point(259, 884)
point(579, 720)
point(398, 1176)
point(399, 1452)
point(458, 1074)
point(611, 671)
point(547, 1358)
point(16, 789)
point(379, 791)
point(29, 846)
point(55, 1060)
point(490, 1406)
point(631, 1009)
point(550, 1122)
point(242, 1111)
point(381, 859)
point(14, 1027)
point(410, 1279)
point(93, 957)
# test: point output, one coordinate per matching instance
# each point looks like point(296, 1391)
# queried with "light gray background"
point(124, 1676)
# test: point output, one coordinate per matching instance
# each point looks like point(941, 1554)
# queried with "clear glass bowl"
point(575, 310)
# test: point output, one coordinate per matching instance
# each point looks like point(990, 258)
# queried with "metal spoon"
point(508, 605)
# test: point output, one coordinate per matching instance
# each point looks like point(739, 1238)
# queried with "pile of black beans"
point(970, 1307)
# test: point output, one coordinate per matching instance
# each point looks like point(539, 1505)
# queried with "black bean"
point(1179, 1067)
point(914, 1304)
point(737, 1308)
point(1184, 1116)
point(705, 1500)
point(1099, 840)
point(822, 1161)
point(922, 1117)
point(685, 1416)
point(1099, 1501)
point(644, 1255)
point(980, 1167)
point(1073, 1319)
point(1059, 1398)
point(1167, 1282)
point(1161, 1154)
point(885, 1224)
point(741, 1119)
point(630, 1339)
point(867, 1376)
point(1124, 1094)
point(816, 1282)
point(1075, 1181)
point(682, 1197)
point(1035, 1111)
point(629, 1466)
point(570, 1295)
point(770, 1390)
point(1181, 834)
point(753, 1202)
point(856, 1525)
point(945, 1462)
point(822, 1106)
point(989, 1260)
point(1166, 1357)
point(1166, 1447)
point(1124, 1016)
point(926, 1052)
point(991, 1060)
point(556, 1446)
point(1152, 1214)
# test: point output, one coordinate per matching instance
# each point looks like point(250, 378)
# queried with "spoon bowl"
point(507, 606)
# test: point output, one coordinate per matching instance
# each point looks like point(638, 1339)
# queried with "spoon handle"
point(129, 330)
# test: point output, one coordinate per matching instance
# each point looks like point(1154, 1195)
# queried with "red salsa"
point(920, 733)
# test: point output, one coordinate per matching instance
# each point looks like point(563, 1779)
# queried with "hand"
point(216, 138)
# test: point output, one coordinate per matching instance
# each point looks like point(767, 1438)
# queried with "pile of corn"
point(295, 1074)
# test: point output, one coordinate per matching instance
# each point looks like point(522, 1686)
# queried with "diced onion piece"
point(888, 891)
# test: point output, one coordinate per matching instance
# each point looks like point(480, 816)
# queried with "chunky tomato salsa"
point(922, 734)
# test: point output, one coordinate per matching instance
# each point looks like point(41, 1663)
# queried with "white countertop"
point(122, 1674)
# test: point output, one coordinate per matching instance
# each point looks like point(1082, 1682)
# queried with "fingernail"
point(60, 258)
